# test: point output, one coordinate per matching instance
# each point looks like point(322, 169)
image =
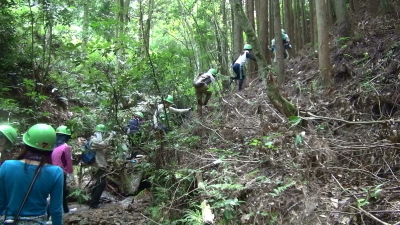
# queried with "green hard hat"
point(169, 99)
point(40, 136)
point(212, 71)
point(139, 114)
point(101, 128)
point(63, 130)
point(10, 133)
point(247, 47)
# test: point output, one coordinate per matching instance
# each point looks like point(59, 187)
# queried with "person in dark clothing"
point(238, 64)
point(133, 132)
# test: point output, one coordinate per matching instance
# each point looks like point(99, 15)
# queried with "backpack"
point(88, 155)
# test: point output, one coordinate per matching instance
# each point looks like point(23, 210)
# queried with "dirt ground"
point(132, 210)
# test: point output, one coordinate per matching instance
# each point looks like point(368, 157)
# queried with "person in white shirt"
point(239, 62)
point(161, 114)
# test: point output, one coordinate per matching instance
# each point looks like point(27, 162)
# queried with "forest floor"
point(337, 164)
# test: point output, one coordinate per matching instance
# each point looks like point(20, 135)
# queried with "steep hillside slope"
point(336, 162)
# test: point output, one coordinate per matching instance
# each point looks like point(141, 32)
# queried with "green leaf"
point(298, 140)
point(294, 120)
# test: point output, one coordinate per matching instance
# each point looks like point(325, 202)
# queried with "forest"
point(304, 132)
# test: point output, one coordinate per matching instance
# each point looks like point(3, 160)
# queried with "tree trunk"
point(304, 22)
point(237, 35)
point(147, 24)
point(288, 18)
point(314, 33)
point(279, 43)
point(275, 97)
point(250, 14)
point(262, 13)
point(329, 14)
point(271, 21)
point(342, 18)
point(325, 65)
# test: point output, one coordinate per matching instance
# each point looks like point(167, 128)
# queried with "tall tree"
point(237, 35)
point(342, 18)
point(275, 97)
point(250, 14)
point(313, 23)
point(262, 13)
point(324, 60)
point(278, 43)
point(288, 17)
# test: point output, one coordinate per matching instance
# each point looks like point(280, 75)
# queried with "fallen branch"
point(213, 131)
point(315, 117)
point(370, 215)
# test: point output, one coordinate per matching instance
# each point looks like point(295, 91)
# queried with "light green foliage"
point(294, 120)
point(265, 142)
point(362, 202)
point(280, 189)
point(80, 195)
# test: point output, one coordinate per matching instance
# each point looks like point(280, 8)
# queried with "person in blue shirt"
point(239, 63)
point(17, 175)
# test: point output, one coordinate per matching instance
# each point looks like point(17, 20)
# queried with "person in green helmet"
point(201, 85)
point(286, 45)
point(61, 157)
point(162, 111)
point(8, 137)
point(16, 177)
point(102, 147)
point(239, 63)
point(133, 130)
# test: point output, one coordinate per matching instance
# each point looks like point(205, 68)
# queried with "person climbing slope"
point(201, 85)
point(239, 63)
point(286, 45)
point(161, 114)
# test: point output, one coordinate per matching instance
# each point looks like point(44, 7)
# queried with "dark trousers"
point(238, 69)
point(65, 195)
point(99, 187)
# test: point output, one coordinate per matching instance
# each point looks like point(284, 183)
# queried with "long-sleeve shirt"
point(15, 178)
point(61, 157)
point(101, 147)
point(159, 114)
point(242, 59)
